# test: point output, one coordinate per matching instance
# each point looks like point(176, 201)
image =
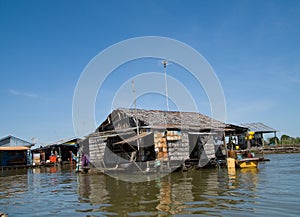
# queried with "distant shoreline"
point(281, 149)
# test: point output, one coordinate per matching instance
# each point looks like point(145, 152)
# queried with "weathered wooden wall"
point(97, 148)
point(179, 149)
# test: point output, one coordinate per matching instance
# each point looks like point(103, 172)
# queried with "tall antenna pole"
point(165, 63)
point(135, 111)
point(134, 95)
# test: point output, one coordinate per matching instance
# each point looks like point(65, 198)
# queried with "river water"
point(271, 190)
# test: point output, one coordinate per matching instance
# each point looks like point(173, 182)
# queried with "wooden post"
point(248, 145)
point(71, 161)
point(224, 142)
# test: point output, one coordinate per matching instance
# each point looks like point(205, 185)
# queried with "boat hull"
point(247, 163)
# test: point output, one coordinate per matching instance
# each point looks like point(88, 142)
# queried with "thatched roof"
point(172, 118)
point(167, 119)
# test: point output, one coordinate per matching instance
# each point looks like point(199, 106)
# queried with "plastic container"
point(52, 159)
point(230, 162)
point(231, 154)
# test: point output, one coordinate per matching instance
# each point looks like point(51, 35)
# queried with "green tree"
point(297, 140)
point(273, 140)
point(285, 139)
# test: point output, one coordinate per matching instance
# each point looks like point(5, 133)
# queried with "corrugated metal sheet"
point(259, 128)
point(13, 141)
point(14, 148)
point(70, 141)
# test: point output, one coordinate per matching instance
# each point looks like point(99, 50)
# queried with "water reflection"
point(115, 196)
point(13, 184)
point(62, 192)
point(174, 191)
point(195, 192)
point(92, 189)
point(231, 178)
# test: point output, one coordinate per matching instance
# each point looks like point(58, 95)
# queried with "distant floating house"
point(14, 152)
point(259, 129)
point(55, 152)
point(10, 141)
point(139, 138)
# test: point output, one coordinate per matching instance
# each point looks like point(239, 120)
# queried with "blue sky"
point(253, 46)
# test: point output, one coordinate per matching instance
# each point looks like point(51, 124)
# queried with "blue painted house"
point(14, 152)
point(10, 141)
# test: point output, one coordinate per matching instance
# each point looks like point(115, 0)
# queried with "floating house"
point(15, 156)
point(14, 152)
point(57, 152)
point(259, 130)
point(145, 139)
point(246, 149)
point(10, 141)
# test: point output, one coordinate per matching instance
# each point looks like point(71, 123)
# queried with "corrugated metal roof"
point(10, 137)
point(14, 148)
point(70, 141)
point(259, 127)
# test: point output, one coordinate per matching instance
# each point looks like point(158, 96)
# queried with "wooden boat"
point(247, 162)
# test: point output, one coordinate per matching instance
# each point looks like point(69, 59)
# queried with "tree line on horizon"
point(284, 140)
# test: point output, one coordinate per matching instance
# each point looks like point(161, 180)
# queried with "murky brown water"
point(272, 190)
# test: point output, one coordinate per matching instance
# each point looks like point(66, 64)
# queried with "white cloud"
point(24, 94)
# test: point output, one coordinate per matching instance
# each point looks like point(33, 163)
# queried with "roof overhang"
point(14, 148)
point(133, 138)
